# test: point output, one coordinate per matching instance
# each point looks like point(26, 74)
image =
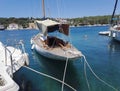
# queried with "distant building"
point(32, 26)
point(2, 27)
point(14, 26)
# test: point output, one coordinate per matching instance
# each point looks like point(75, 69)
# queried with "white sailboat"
point(115, 25)
point(11, 60)
point(51, 46)
point(115, 31)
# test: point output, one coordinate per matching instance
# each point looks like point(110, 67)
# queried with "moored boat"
point(51, 45)
point(11, 60)
point(115, 25)
point(54, 47)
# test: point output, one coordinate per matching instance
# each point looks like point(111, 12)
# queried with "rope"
point(64, 74)
point(97, 76)
point(43, 74)
point(86, 76)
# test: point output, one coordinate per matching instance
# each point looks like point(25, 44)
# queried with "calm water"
point(102, 54)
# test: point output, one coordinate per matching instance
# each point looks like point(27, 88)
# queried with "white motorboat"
point(11, 60)
point(104, 32)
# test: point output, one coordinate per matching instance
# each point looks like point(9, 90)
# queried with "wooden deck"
point(65, 52)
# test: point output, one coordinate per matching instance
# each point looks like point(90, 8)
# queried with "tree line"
point(90, 20)
point(20, 21)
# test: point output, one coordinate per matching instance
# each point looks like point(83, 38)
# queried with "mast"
point(43, 9)
point(115, 6)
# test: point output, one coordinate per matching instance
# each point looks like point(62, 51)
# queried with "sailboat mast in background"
point(43, 9)
point(115, 6)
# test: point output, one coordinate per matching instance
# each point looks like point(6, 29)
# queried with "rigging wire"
point(63, 7)
point(97, 76)
point(48, 8)
point(58, 9)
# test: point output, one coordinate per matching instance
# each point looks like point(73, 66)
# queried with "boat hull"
point(9, 84)
point(11, 60)
point(52, 56)
point(57, 53)
point(115, 34)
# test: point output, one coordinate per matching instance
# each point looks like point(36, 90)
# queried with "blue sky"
point(57, 8)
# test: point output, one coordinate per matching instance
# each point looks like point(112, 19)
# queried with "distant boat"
point(115, 25)
point(104, 33)
point(2, 27)
point(52, 46)
point(11, 60)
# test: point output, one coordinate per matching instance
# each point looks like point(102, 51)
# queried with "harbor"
point(101, 52)
point(59, 45)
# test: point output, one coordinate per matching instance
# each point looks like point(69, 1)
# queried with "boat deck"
point(67, 51)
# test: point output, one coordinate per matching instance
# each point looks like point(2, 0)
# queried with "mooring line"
point(97, 76)
point(43, 74)
point(86, 76)
point(64, 74)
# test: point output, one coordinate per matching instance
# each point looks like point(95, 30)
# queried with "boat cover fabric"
point(50, 26)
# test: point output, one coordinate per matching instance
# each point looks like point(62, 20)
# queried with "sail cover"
point(50, 26)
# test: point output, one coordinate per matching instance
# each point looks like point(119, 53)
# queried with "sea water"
point(102, 54)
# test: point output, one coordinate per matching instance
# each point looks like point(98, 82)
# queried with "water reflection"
point(55, 68)
point(30, 81)
point(113, 46)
